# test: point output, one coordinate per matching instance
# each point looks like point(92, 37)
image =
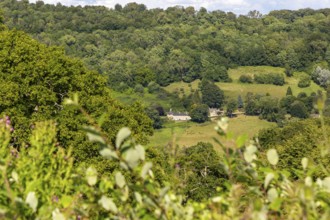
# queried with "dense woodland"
point(69, 150)
point(134, 45)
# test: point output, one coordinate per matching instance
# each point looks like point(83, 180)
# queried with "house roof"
point(177, 114)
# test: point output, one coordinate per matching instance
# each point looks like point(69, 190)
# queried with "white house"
point(178, 116)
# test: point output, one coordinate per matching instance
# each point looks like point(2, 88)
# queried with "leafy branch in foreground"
point(40, 182)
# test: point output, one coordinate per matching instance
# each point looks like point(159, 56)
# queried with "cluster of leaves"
point(40, 181)
point(133, 45)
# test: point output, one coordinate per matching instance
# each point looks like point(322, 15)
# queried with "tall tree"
point(212, 95)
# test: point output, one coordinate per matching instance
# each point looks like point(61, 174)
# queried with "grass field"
point(236, 88)
point(189, 133)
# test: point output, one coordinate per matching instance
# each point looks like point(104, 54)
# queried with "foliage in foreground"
point(40, 182)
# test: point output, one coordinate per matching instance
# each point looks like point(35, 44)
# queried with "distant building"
point(214, 112)
point(178, 116)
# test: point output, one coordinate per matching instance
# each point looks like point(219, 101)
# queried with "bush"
point(299, 110)
point(305, 81)
point(199, 165)
point(200, 113)
point(270, 78)
point(39, 181)
point(245, 79)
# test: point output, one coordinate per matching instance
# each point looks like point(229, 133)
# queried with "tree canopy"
point(139, 45)
point(34, 81)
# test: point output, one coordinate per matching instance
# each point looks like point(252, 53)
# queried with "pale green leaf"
point(240, 141)
point(75, 98)
point(69, 102)
point(121, 136)
point(57, 215)
point(249, 153)
point(308, 181)
point(326, 183)
point(145, 169)
point(132, 158)
point(140, 150)
point(66, 200)
point(138, 197)
point(272, 156)
point(14, 175)
point(108, 154)
point(91, 176)
point(304, 163)
point(272, 194)
point(108, 204)
point(123, 165)
point(32, 201)
point(93, 135)
point(268, 179)
point(223, 123)
point(251, 149)
point(120, 180)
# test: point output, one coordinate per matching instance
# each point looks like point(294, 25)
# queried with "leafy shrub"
point(299, 110)
point(270, 78)
point(199, 168)
point(321, 77)
point(40, 181)
point(305, 81)
point(199, 113)
point(245, 79)
point(295, 141)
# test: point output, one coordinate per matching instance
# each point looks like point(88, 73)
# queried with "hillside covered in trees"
point(134, 45)
point(70, 150)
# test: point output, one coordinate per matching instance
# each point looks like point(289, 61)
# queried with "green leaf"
point(304, 163)
point(132, 158)
point(91, 176)
point(276, 204)
point(121, 136)
point(69, 102)
point(240, 141)
point(272, 156)
point(272, 194)
point(308, 181)
point(141, 152)
point(32, 201)
point(14, 175)
point(123, 165)
point(57, 215)
point(145, 169)
point(108, 204)
point(326, 183)
point(223, 124)
point(138, 197)
point(75, 98)
point(268, 179)
point(93, 135)
point(249, 153)
point(108, 154)
point(120, 180)
point(66, 201)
